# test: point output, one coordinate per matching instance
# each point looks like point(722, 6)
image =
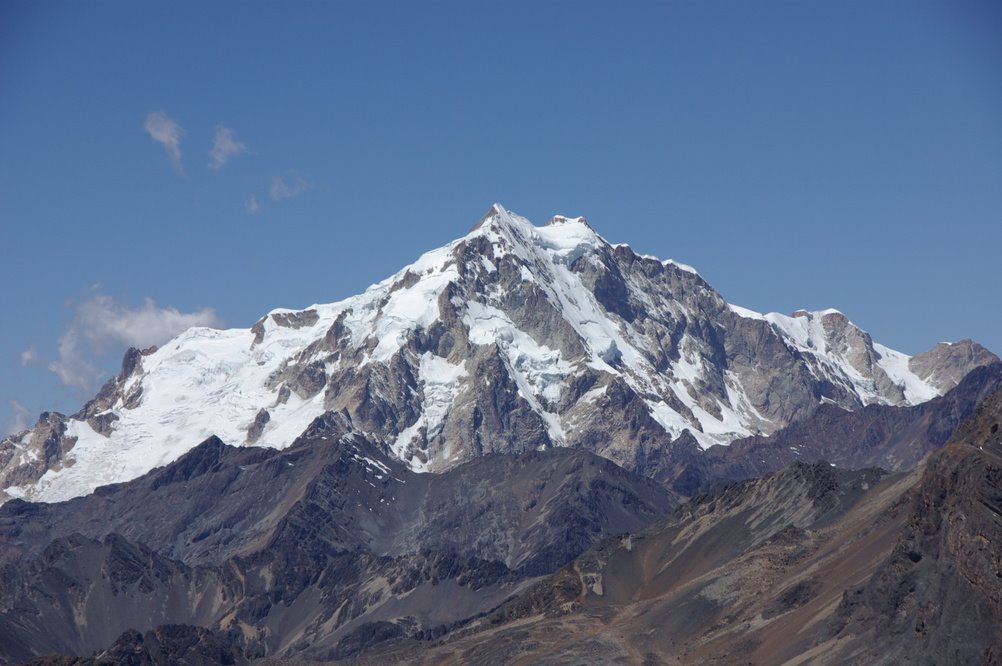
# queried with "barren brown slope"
point(938, 598)
point(810, 565)
point(746, 575)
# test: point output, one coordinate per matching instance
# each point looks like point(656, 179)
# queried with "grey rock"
point(296, 319)
point(889, 437)
point(317, 551)
point(309, 381)
point(25, 457)
point(944, 365)
point(103, 423)
point(937, 598)
point(257, 427)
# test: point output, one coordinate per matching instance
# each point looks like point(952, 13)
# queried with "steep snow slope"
point(511, 338)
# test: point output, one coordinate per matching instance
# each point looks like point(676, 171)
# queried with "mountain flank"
point(301, 551)
point(808, 565)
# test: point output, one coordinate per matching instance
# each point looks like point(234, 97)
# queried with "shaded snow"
point(895, 364)
point(439, 383)
point(745, 312)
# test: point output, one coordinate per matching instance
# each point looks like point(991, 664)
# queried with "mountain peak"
point(563, 239)
point(511, 338)
point(496, 212)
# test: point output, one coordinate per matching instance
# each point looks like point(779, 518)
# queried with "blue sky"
point(799, 154)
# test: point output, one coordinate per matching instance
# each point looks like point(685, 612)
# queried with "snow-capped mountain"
point(511, 338)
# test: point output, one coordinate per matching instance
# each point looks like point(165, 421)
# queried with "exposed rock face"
point(319, 551)
point(78, 595)
point(512, 338)
point(25, 457)
point(172, 645)
point(893, 438)
point(257, 427)
point(114, 392)
point(938, 597)
point(944, 365)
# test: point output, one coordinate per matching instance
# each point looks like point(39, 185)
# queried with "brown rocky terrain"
point(809, 565)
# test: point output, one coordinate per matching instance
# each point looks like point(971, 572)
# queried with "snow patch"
point(895, 364)
point(439, 383)
point(683, 267)
point(745, 312)
point(540, 367)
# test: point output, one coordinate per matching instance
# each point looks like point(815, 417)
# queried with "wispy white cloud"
point(20, 419)
point(29, 356)
point(73, 368)
point(281, 189)
point(168, 133)
point(252, 206)
point(224, 146)
point(101, 324)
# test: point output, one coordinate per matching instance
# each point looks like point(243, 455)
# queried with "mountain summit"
point(511, 338)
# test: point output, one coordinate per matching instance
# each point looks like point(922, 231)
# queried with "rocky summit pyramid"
point(512, 338)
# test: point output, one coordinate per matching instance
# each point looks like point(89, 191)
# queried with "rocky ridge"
point(313, 551)
point(892, 438)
